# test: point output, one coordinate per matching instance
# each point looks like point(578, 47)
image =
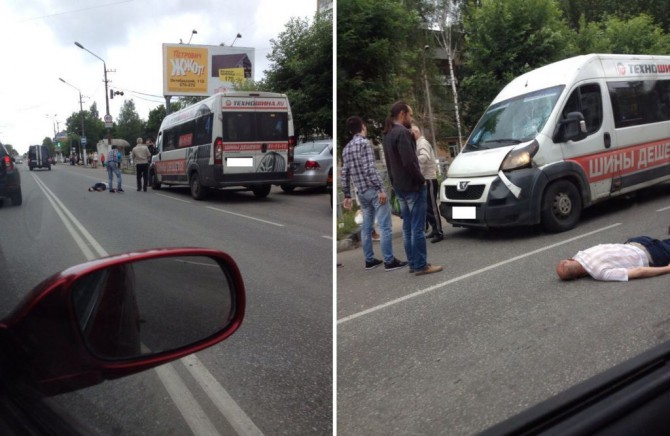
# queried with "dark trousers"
point(658, 250)
point(142, 171)
point(432, 210)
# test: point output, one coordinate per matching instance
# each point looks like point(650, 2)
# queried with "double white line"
point(181, 395)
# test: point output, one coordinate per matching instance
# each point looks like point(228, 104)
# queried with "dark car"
point(38, 157)
point(312, 163)
point(10, 179)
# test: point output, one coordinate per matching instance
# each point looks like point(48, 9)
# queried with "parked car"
point(10, 179)
point(106, 319)
point(312, 162)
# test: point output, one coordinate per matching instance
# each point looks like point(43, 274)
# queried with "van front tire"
point(561, 207)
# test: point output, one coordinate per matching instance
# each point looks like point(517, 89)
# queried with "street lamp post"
point(81, 116)
point(108, 117)
point(239, 35)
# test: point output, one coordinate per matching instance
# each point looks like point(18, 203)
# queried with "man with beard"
point(410, 186)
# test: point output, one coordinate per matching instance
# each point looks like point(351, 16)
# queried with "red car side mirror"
point(122, 314)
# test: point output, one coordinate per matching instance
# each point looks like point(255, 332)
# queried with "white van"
point(561, 138)
point(240, 139)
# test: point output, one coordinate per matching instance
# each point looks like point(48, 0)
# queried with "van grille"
point(472, 192)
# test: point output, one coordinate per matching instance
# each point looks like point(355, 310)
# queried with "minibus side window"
point(639, 102)
point(586, 99)
point(169, 140)
point(203, 129)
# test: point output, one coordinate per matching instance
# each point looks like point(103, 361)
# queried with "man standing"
point(410, 186)
point(141, 155)
point(358, 164)
point(426, 156)
point(113, 168)
point(637, 258)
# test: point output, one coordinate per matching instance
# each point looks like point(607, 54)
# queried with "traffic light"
point(58, 144)
point(112, 93)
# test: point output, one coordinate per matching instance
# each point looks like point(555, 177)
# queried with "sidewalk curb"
point(352, 241)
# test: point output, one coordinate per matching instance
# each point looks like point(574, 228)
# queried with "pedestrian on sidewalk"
point(409, 185)
point(141, 156)
point(426, 156)
point(358, 167)
point(638, 257)
point(113, 168)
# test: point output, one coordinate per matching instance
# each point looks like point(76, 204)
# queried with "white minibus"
point(561, 138)
point(233, 139)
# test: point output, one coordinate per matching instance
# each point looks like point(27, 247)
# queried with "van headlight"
point(519, 158)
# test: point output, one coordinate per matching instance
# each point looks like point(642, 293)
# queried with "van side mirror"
point(571, 128)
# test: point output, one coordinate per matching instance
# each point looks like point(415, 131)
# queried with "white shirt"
point(611, 262)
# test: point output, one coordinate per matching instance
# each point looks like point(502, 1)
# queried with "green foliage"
point(302, 68)
point(129, 126)
point(636, 35)
point(378, 60)
point(506, 39)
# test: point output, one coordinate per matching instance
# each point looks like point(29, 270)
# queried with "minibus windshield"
point(513, 121)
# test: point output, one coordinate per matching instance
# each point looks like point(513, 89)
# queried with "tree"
point(506, 38)
point(445, 16)
point(129, 126)
point(302, 68)
point(637, 35)
point(378, 60)
point(156, 116)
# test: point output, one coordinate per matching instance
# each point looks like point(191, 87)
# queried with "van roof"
point(585, 67)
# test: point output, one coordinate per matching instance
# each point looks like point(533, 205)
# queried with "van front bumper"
point(488, 202)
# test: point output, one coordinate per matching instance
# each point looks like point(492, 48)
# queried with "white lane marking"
point(468, 275)
point(173, 198)
point(193, 414)
point(663, 209)
point(223, 401)
point(327, 237)
point(69, 225)
point(245, 216)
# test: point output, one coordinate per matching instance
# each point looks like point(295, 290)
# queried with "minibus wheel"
point(155, 184)
point(197, 190)
point(561, 206)
point(261, 191)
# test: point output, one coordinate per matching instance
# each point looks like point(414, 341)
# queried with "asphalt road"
point(273, 376)
point(455, 352)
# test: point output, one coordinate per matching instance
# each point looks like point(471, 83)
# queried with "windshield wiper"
point(513, 141)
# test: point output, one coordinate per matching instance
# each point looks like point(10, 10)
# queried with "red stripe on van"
point(603, 166)
point(171, 167)
point(255, 146)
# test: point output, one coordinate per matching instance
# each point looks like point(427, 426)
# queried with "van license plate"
point(240, 161)
point(463, 212)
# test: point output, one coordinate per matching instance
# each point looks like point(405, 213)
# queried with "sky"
point(38, 48)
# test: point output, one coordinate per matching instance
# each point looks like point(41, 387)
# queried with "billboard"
point(203, 70)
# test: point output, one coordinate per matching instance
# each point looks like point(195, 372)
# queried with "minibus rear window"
point(255, 126)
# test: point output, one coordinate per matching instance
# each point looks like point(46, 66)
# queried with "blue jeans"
point(413, 209)
point(112, 169)
point(369, 202)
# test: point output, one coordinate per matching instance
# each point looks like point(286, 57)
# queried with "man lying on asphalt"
point(637, 258)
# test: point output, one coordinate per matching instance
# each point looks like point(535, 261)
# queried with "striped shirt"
point(358, 166)
point(611, 262)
